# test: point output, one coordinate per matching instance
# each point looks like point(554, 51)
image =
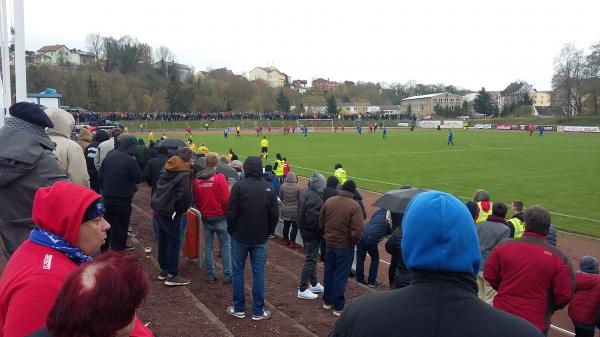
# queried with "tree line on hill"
point(125, 77)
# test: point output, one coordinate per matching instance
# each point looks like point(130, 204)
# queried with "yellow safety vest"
point(264, 143)
point(519, 226)
point(482, 214)
point(341, 175)
point(279, 169)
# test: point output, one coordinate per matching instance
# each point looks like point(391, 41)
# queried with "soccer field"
point(559, 171)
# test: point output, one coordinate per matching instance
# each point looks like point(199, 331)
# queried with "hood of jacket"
point(101, 135)
point(332, 181)
point(62, 120)
point(128, 145)
point(317, 182)
point(253, 167)
point(291, 178)
point(176, 164)
point(206, 173)
point(439, 235)
point(53, 208)
point(85, 135)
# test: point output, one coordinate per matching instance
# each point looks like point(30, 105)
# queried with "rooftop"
point(51, 48)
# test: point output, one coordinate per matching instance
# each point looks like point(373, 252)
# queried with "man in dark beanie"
point(531, 266)
point(252, 215)
point(26, 164)
point(342, 221)
point(118, 178)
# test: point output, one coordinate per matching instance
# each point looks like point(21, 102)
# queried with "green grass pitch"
point(559, 171)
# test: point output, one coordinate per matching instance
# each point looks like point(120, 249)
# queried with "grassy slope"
point(558, 171)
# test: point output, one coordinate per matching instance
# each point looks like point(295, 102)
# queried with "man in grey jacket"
point(26, 164)
point(490, 233)
point(311, 202)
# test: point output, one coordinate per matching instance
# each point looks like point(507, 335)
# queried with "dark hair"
point(163, 150)
point(338, 165)
point(100, 297)
point(349, 186)
point(185, 154)
point(473, 209)
point(101, 135)
point(518, 205)
point(499, 209)
point(278, 156)
point(537, 220)
point(481, 195)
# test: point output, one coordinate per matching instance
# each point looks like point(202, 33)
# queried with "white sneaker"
point(307, 294)
point(317, 289)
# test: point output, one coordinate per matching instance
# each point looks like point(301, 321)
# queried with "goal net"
point(314, 124)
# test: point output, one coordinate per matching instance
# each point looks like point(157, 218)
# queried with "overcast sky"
point(465, 43)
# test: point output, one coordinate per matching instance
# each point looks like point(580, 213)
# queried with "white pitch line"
point(460, 196)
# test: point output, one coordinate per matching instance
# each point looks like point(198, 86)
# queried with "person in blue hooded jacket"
point(441, 250)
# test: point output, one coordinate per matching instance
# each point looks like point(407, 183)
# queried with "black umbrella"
point(226, 170)
point(172, 145)
point(397, 200)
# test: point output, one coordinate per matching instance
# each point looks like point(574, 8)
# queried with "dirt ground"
point(199, 309)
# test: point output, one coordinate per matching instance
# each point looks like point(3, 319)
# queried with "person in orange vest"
point(482, 198)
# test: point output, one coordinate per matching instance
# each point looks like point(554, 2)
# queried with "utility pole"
point(5, 86)
point(20, 75)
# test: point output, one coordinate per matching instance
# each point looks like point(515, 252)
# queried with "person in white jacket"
point(70, 154)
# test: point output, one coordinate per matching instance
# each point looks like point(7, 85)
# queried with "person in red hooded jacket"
point(70, 230)
point(484, 205)
point(586, 302)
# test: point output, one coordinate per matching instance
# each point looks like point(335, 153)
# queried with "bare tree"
point(566, 81)
point(94, 43)
point(163, 53)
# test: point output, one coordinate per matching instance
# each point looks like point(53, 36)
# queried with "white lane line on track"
point(460, 196)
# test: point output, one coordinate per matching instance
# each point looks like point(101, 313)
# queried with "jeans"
point(183, 228)
point(362, 248)
point(309, 269)
point(323, 249)
point(155, 226)
point(118, 213)
point(287, 234)
point(338, 262)
point(258, 260)
point(211, 228)
point(169, 243)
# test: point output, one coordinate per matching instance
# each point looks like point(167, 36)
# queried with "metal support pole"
point(5, 86)
point(20, 75)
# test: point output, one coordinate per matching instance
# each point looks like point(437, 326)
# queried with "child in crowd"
point(586, 301)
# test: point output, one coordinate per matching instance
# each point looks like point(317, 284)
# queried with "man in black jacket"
point(118, 178)
point(171, 200)
point(252, 215)
point(441, 250)
point(151, 174)
point(331, 190)
point(308, 223)
point(90, 154)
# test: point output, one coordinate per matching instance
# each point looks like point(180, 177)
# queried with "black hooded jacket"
point(331, 188)
point(252, 211)
point(120, 172)
point(90, 154)
point(434, 304)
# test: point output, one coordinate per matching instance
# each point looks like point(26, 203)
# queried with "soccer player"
point(450, 142)
point(151, 136)
point(305, 132)
point(237, 132)
point(225, 133)
point(191, 145)
point(188, 132)
point(384, 132)
point(206, 125)
point(264, 148)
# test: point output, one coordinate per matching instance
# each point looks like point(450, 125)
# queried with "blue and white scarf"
point(56, 242)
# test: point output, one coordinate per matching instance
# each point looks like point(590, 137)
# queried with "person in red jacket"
point(533, 279)
point(286, 167)
point(70, 230)
point(586, 302)
point(211, 194)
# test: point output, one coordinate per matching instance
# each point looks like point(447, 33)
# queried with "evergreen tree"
point(526, 100)
point(483, 103)
point(283, 103)
point(331, 105)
